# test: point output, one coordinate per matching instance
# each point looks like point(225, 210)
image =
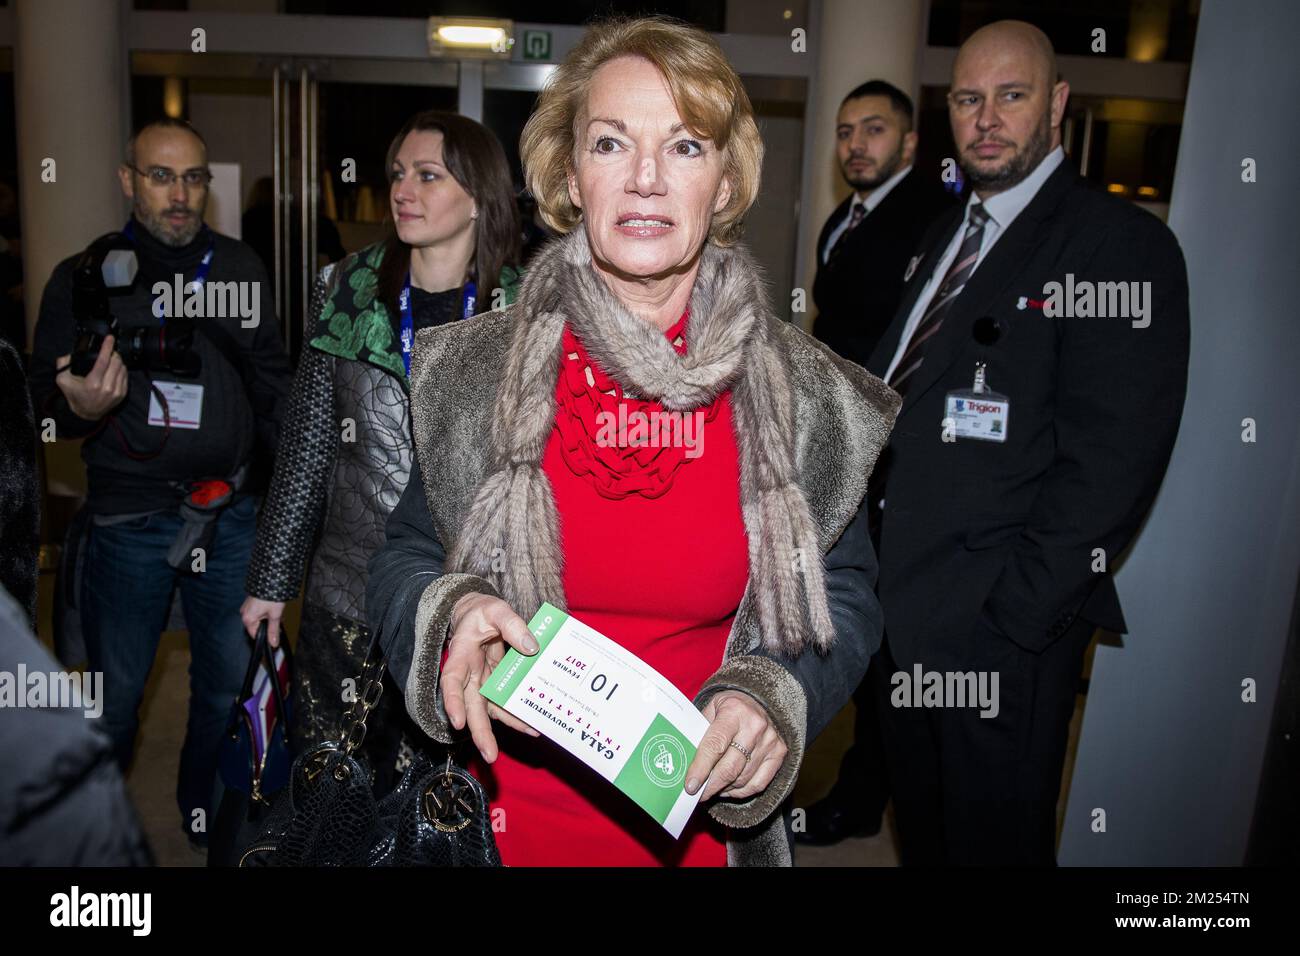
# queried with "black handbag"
point(328, 815)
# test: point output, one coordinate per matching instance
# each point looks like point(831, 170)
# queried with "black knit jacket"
point(20, 500)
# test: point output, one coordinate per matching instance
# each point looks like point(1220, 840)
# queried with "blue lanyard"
point(468, 300)
point(200, 274)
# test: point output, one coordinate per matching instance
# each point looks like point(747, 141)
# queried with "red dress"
point(655, 558)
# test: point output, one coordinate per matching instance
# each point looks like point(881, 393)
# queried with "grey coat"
point(329, 498)
point(842, 419)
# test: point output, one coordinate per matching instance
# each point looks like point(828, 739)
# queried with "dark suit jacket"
point(856, 292)
point(977, 535)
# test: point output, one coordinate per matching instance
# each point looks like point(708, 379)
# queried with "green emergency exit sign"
point(537, 45)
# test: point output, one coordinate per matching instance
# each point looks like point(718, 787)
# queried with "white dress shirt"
point(871, 202)
point(1003, 210)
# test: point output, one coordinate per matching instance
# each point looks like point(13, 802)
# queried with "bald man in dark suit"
point(1041, 351)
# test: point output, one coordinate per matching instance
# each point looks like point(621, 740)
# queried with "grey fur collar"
point(510, 535)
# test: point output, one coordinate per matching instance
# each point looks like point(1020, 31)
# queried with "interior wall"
point(238, 129)
point(1170, 751)
point(771, 226)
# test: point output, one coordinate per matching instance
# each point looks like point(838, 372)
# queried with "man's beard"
point(165, 232)
point(1017, 167)
point(886, 169)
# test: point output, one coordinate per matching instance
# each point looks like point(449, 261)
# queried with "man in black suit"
point(865, 245)
point(1041, 352)
point(861, 255)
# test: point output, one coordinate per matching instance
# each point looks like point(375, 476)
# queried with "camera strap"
point(111, 419)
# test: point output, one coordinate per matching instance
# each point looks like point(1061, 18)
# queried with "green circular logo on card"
point(664, 761)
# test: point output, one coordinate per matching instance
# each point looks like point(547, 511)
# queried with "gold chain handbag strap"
point(353, 723)
point(354, 718)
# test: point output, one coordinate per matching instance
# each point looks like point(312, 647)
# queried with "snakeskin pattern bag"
point(328, 816)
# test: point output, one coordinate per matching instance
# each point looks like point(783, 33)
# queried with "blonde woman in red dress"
point(733, 558)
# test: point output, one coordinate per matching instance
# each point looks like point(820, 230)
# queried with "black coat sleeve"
point(304, 461)
point(295, 504)
point(409, 600)
point(829, 679)
point(802, 695)
point(20, 497)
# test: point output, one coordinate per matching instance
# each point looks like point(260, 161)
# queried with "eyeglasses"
point(164, 178)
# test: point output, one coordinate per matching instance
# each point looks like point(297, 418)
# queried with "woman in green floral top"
point(345, 450)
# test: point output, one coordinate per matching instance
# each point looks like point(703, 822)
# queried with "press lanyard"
point(468, 300)
point(200, 274)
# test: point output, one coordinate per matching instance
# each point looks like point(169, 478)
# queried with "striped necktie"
point(959, 273)
point(856, 215)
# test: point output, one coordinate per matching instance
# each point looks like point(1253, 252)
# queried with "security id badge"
point(976, 412)
point(608, 708)
point(184, 404)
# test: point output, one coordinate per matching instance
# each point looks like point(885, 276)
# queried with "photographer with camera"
point(160, 347)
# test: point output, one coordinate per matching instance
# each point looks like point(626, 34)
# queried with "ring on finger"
point(744, 750)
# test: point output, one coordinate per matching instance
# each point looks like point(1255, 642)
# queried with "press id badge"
point(184, 404)
point(976, 412)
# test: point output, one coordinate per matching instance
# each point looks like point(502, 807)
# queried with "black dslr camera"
point(109, 263)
